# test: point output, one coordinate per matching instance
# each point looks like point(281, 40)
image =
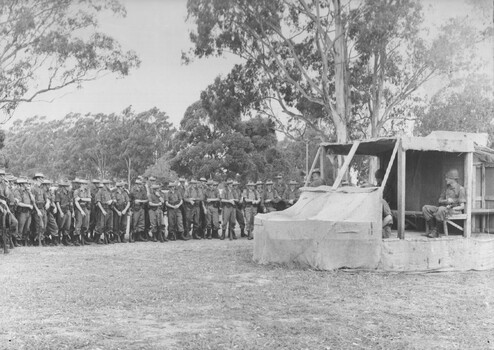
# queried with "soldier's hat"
point(106, 181)
point(278, 176)
point(215, 183)
point(10, 177)
point(155, 187)
point(38, 175)
point(172, 184)
point(80, 181)
point(140, 177)
point(210, 182)
point(2, 171)
point(316, 170)
point(100, 185)
point(152, 178)
point(21, 181)
point(193, 181)
point(46, 182)
point(269, 182)
point(453, 174)
point(181, 179)
point(229, 182)
point(203, 179)
point(293, 182)
point(95, 181)
point(250, 183)
point(138, 181)
point(119, 184)
point(259, 182)
point(64, 183)
point(236, 183)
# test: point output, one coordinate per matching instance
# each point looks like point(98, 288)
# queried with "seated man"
point(316, 180)
point(452, 201)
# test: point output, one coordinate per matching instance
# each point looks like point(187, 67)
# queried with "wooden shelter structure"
point(415, 169)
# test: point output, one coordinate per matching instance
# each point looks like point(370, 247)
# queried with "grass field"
point(210, 295)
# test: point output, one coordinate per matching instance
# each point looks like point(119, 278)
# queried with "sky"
point(158, 32)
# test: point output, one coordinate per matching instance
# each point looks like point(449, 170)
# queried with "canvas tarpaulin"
point(326, 229)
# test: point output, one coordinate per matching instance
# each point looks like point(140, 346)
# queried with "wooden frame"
point(344, 167)
point(401, 189)
point(468, 171)
point(316, 158)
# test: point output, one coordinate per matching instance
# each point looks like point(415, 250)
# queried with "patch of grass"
point(210, 295)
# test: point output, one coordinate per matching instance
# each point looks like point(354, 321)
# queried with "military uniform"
point(156, 214)
point(51, 222)
point(212, 211)
point(138, 220)
point(12, 220)
point(175, 223)
point(290, 197)
point(81, 218)
point(4, 195)
point(39, 216)
point(120, 221)
point(228, 214)
point(104, 226)
point(252, 199)
point(23, 196)
point(270, 198)
point(193, 211)
point(64, 200)
point(239, 208)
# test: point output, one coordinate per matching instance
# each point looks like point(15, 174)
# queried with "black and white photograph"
point(246, 174)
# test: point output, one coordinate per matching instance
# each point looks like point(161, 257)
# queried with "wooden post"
point(344, 168)
point(321, 161)
point(401, 189)
point(390, 164)
point(316, 158)
point(468, 171)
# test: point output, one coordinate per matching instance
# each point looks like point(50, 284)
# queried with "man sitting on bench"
point(452, 201)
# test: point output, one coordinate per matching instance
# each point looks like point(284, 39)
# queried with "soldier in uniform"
point(51, 231)
point(239, 208)
point(271, 197)
point(4, 212)
point(212, 201)
point(39, 214)
point(121, 208)
point(452, 201)
point(280, 188)
point(291, 194)
point(228, 201)
point(12, 204)
point(139, 198)
point(181, 187)
point(64, 202)
point(155, 214)
point(82, 201)
point(94, 212)
point(24, 207)
point(202, 216)
point(316, 179)
point(175, 224)
point(105, 203)
point(193, 201)
point(251, 198)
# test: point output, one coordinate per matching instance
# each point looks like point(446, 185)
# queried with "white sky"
point(157, 31)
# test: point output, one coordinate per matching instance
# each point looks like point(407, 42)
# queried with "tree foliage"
point(115, 145)
point(48, 45)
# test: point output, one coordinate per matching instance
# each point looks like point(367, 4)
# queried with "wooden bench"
point(456, 217)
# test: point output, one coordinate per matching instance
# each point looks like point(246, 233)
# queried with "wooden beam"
point(401, 189)
point(345, 166)
point(390, 165)
point(469, 192)
point(316, 158)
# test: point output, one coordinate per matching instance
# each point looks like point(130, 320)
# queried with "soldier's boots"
point(231, 234)
point(183, 236)
point(75, 240)
point(249, 235)
point(215, 233)
point(16, 242)
point(208, 234)
point(155, 237)
point(171, 236)
point(242, 232)
point(433, 229)
point(195, 234)
point(222, 237)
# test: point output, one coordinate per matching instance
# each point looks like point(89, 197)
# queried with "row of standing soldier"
point(89, 212)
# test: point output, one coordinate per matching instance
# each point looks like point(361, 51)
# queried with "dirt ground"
point(210, 295)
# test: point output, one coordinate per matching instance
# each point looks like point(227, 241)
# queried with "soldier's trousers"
point(119, 223)
point(175, 223)
point(51, 225)
point(193, 217)
point(138, 219)
point(239, 214)
point(105, 222)
point(81, 222)
point(93, 217)
point(156, 221)
point(13, 226)
point(39, 222)
point(65, 222)
point(270, 208)
point(432, 212)
point(250, 213)
point(24, 219)
point(212, 218)
point(228, 217)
